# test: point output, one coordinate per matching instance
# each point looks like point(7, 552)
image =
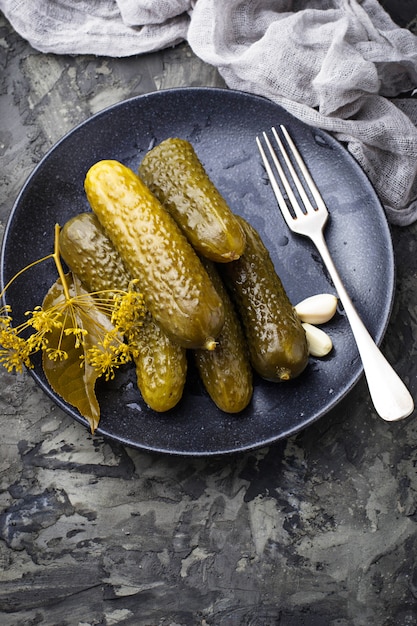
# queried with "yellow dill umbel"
point(76, 313)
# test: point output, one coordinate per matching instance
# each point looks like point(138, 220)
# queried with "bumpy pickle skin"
point(174, 173)
point(176, 288)
point(161, 367)
point(89, 253)
point(161, 364)
point(276, 340)
point(226, 372)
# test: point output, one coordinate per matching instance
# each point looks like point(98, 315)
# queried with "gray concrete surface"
point(318, 530)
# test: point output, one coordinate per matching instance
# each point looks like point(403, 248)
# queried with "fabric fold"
point(328, 64)
point(99, 27)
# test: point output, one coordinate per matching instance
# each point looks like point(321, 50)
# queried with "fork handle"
point(390, 396)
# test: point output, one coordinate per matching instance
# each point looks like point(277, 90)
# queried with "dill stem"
point(20, 272)
point(57, 259)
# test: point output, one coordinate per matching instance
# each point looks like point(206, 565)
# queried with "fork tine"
point(310, 182)
point(275, 186)
point(300, 187)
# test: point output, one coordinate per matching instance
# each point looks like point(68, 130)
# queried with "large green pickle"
point(161, 364)
point(277, 341)
point(174, 173)
point(176, 288)
point(226, 371)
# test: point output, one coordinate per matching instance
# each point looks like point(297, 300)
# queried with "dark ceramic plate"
point(222, 125)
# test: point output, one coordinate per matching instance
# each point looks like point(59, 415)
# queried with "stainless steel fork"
point(390, 396)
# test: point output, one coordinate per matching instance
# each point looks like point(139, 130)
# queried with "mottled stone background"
point(318, 530)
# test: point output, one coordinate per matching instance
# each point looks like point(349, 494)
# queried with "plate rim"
point(223, 92)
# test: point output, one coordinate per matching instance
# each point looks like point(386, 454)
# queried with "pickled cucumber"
point(161, 367)
point(176, 288)
point(276, 340)
point(226, 371)
point(89, 253)
point(176, 176)
point(161, 364)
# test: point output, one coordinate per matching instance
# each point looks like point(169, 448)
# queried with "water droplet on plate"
point(282, 240)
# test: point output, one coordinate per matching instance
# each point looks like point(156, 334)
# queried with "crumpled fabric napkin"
point(115, 28)
point(339, 65)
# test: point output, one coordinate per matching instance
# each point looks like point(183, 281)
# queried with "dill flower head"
point(96, 325)
point(78, 334)
point(128, 311)
point(44, 321)
point(55, 354)
point(14, 350)
point(5, 318)
point(74, 326)
point(106, 356)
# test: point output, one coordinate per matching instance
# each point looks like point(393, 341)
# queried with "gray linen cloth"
point(339, 65)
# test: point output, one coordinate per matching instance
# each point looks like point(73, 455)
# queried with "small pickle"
point(174, 173)
point(161, 364)
point(161, 367)
point(175, 285)
point(277, 341)
point(226, 371)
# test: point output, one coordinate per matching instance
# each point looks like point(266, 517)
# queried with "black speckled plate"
point(222, 125)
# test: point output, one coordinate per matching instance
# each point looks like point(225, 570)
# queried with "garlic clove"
point(319, 343)
point(317, 309)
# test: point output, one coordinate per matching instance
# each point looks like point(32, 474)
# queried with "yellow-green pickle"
point(176, 288)
point(161, 364)
point(89, 253)
point(226, 371)
point(161, 367)
point(276, 340)
point(174, 173)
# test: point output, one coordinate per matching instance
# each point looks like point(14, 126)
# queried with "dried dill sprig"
point(74, 314)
